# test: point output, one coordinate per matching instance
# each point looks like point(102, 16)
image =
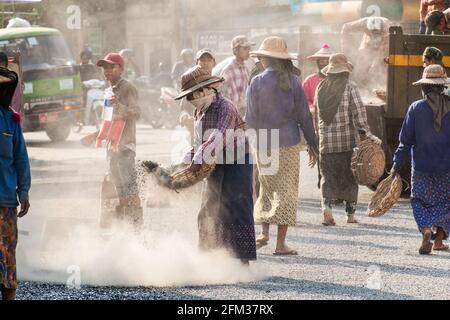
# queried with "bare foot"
point(328, 219)
point(426, 242)
point(439, 241)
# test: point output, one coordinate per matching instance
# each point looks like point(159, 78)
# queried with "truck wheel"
point(59, 132)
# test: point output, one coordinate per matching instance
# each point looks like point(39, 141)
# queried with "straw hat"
point(273, 47)
point(194, 79)
point(433, 74)
point(324, 53)
point(338, 64)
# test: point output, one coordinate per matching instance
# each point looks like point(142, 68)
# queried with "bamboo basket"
point(387, 194)
point(368, 163)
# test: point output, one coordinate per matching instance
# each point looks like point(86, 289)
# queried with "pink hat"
point(111, 58)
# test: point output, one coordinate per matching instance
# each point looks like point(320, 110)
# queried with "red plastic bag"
point(111, 131)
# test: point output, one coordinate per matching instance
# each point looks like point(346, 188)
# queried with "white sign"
point(28, 88)
point(66, 84)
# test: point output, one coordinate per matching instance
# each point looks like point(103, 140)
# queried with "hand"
point(394, 171)
point(24, 207)
point(114, 102)
point(312, 158)
point(374, 139)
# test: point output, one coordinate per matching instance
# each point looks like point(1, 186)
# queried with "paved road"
point(61, 245)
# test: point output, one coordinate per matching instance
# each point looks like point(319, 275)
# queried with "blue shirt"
point(270, 107)
point(429, 149)
point(15, 176)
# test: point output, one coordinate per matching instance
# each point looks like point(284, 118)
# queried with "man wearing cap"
point(342, 118)
point(122, 162)
point(311, 83)
point(206, 59)
point(187, 62)
point(226, 216)
point(427, 6)
point(438, 22)
point(236, 74)
point(373, 50)
point(425, 136)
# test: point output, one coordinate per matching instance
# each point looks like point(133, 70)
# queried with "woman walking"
point(342, 116)
point(426, 131)
point(276, 102)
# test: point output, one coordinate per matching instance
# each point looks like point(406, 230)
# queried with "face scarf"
point(439, 103)
point(202, 104)
point(329, 95)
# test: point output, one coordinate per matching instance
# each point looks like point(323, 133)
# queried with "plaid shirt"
point(236, 83)
point(211, 130)
point(341, 135)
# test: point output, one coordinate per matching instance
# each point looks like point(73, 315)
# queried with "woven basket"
point(180, 176)
point(387, 194)
point(368, 163)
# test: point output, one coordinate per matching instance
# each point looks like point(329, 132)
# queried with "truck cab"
point(52, 92)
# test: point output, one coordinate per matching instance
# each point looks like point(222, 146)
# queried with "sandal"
point(261, 243)
point(286, 253)
point(328, 220)
point(441, 248)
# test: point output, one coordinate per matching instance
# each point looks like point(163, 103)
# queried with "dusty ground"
point(377, 259)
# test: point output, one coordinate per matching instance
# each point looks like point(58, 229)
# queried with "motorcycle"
point(170, 107)
point(94, 102)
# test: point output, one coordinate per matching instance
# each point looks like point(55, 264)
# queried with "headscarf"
point(8, 87)
point(439, 103)
point(329, 95)
point(285, 69)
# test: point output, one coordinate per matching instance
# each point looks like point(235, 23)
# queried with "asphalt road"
point(63, 254)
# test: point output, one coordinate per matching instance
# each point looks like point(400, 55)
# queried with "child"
point(122, 162)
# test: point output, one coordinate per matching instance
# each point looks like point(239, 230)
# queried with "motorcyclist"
point(187, 62)
point(88, 70)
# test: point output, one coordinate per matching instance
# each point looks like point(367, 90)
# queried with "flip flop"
point(442, 248)
point(287, 253)
point(329, 223)
point(261, 243)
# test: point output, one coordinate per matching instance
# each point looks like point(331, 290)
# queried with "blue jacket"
point(15, 176)
point(269, 107)
point(430, 150)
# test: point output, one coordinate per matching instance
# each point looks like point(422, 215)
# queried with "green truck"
point(405, 66)
point(52, 91)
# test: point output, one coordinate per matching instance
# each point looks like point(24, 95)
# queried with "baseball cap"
point(241, 41)
point(111, 58)
point(204, 51)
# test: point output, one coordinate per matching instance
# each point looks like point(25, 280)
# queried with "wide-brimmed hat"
point(433, 74)
point(273, 47)
point(194, 79)
point(338, 64)
point(324, 53)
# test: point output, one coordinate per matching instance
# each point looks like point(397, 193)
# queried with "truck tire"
point(59, 132)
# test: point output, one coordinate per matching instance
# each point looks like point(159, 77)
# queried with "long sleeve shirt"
point(15, 176)
point(430, 150)
point(220, 128)
point(342, 133)
point(236, 83)
point(129, 111)
point(270, 107)
point(310, 86)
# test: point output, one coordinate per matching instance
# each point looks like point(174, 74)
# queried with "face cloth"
point(202, 104)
